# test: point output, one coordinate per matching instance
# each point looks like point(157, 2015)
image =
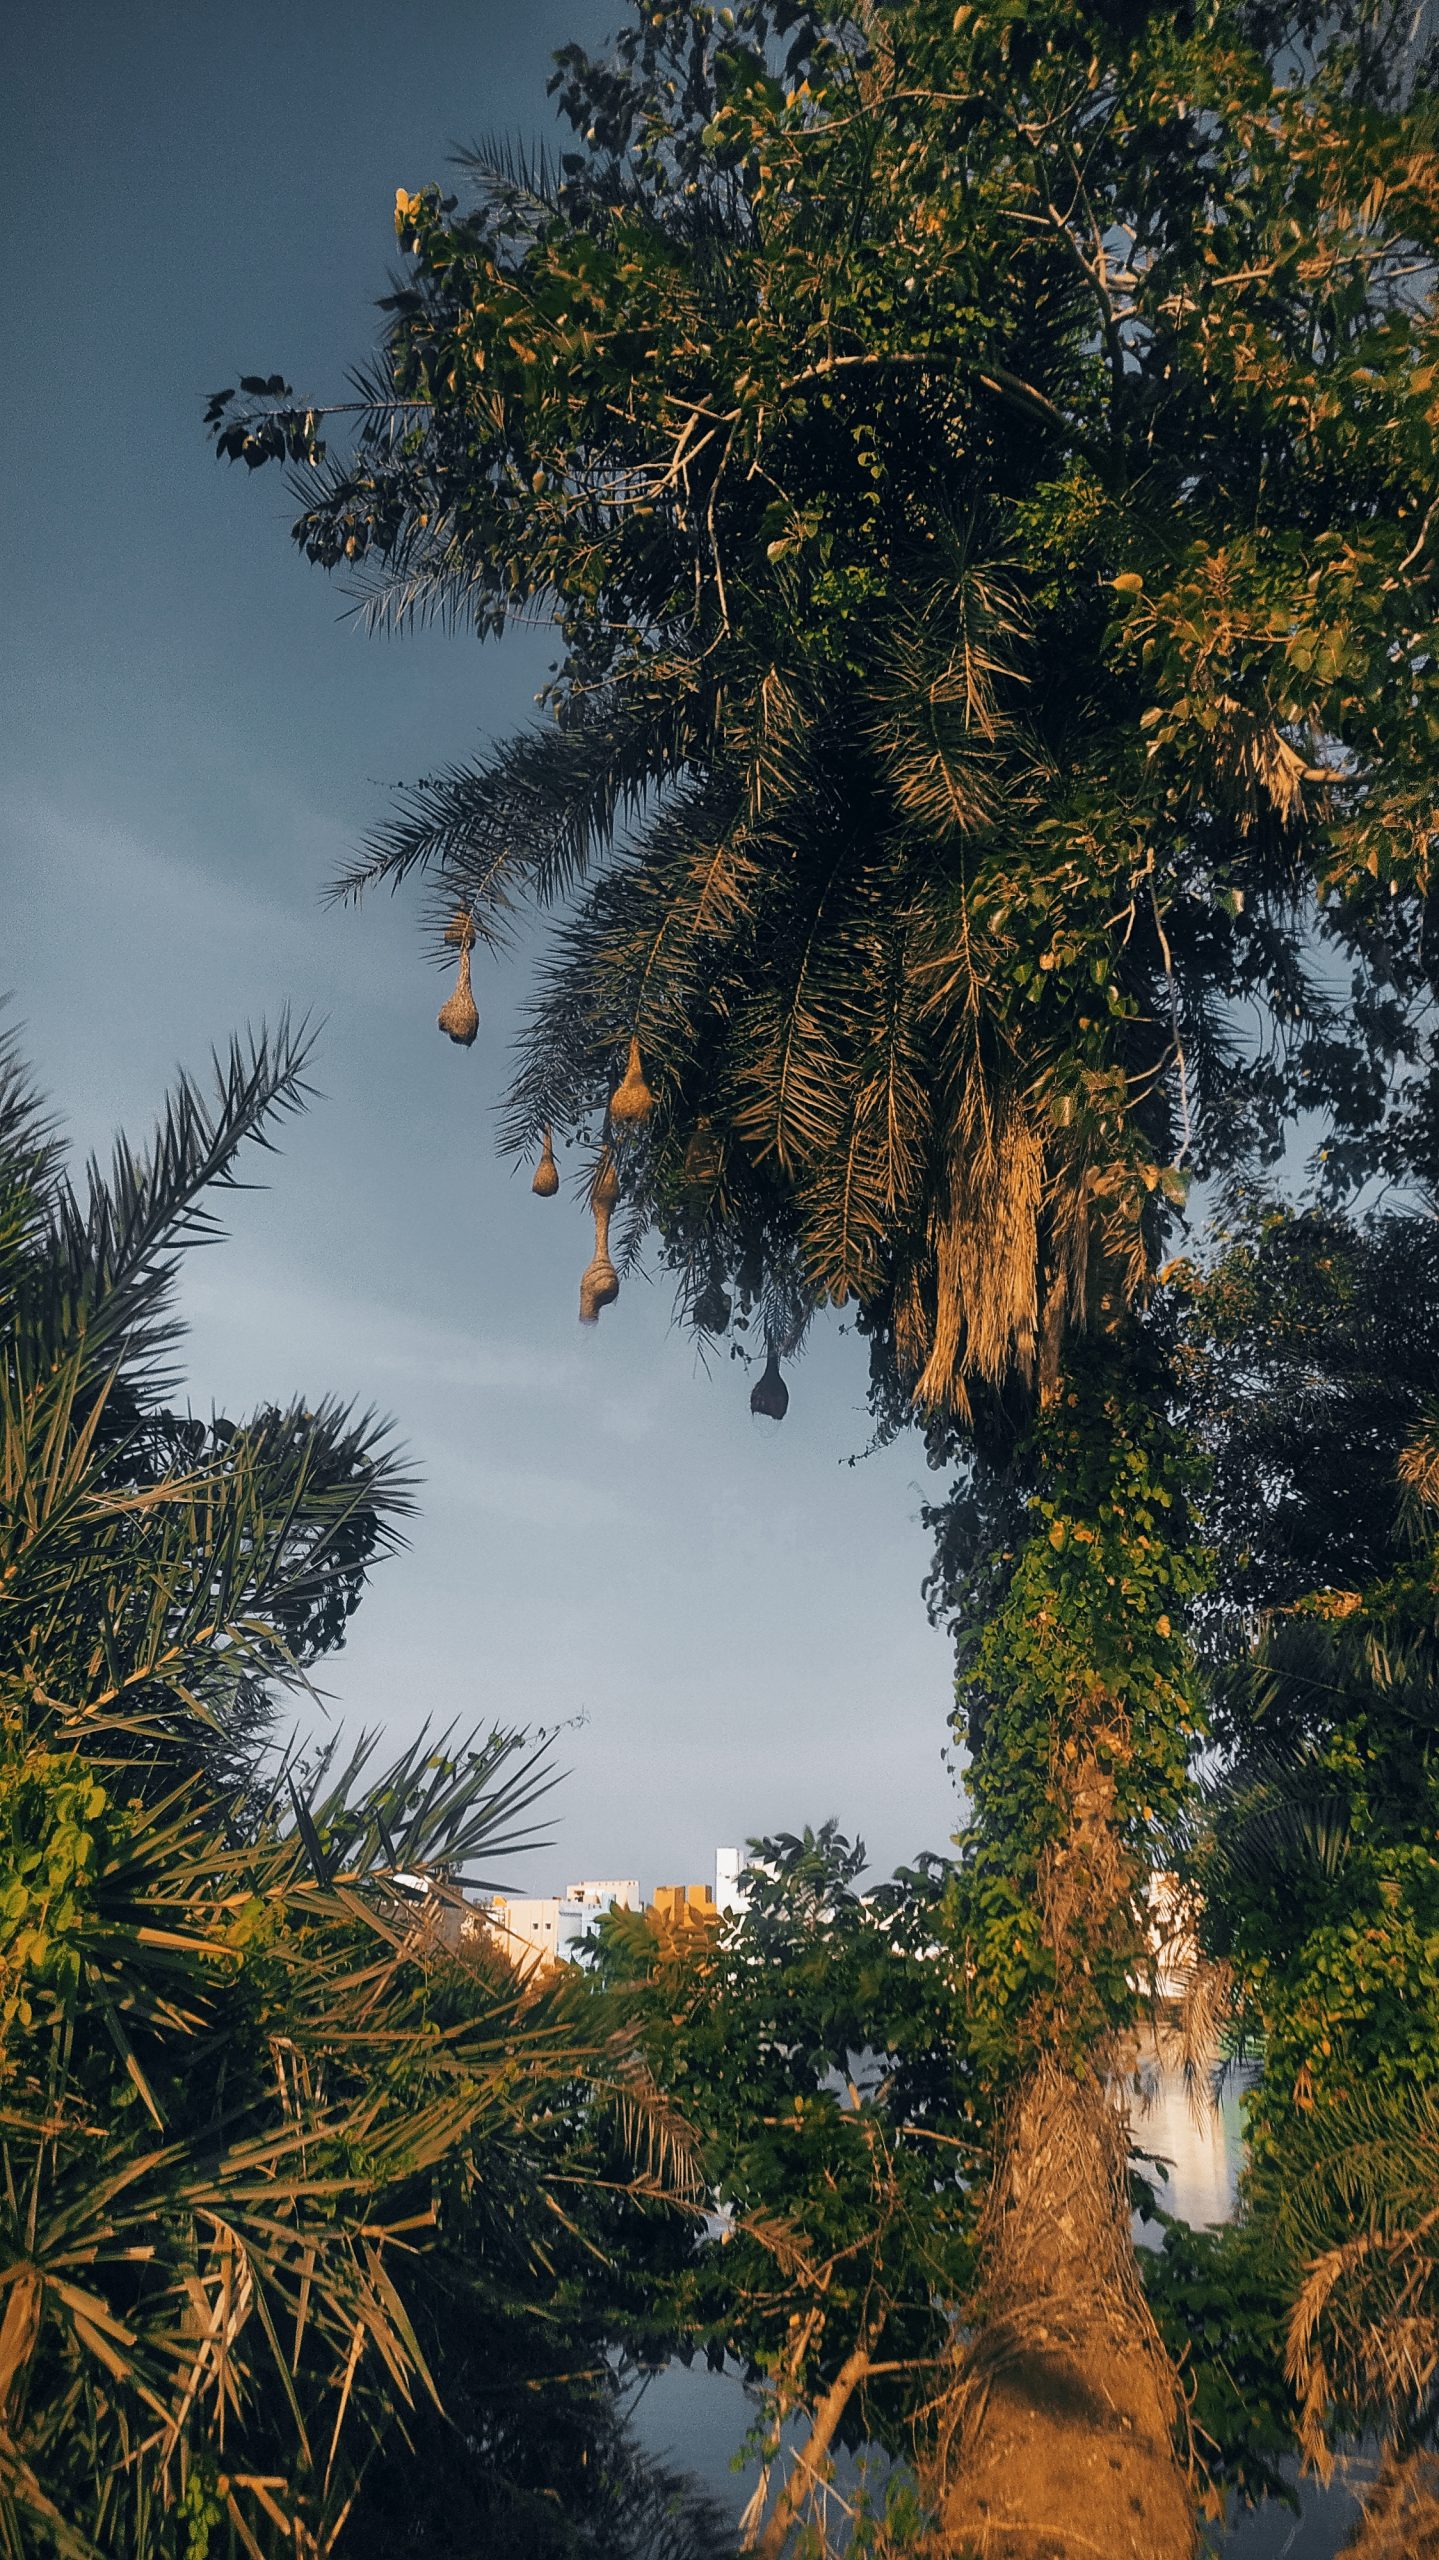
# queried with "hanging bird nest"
point(459, 1015)
point(547, 1172)
point(600, 1285)
point(632, 1101)
point(769, 1395)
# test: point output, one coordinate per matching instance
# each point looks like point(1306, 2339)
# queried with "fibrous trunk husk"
point(1059, 2433)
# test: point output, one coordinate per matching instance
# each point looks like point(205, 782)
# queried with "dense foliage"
point(817, 2044)
point(980, 463)
point(1309, 1356)
point(271, 2141)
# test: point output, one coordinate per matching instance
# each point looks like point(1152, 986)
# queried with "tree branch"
point(827, 2416)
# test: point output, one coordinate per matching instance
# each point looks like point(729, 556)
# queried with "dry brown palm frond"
point(19, 2330)
point(1401, 2512)
point(655, 2131)
point(947, 777)
point(1419, 1463)
point(985, 1247)
point(1361, 2220)
point(1364, 2332)
point(719, 888)
point(1258, 768)
point(767, 737)
point(1190, 2038)
point(221, 2299)
point(786, 2243)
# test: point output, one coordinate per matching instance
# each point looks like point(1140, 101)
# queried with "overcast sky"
point(195, 736)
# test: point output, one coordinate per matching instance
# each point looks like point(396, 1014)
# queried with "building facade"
point(538, 1930)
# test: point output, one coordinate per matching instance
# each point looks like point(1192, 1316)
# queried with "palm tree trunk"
point(1061, 2423)
point(1059, 2431)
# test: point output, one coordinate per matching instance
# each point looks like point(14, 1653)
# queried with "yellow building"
point(539, 1930)
point(681, 1905)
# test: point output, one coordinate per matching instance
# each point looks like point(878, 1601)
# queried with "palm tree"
point(247, 2080)
point(930, 786)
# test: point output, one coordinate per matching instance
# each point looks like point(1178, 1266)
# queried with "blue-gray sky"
point(195, 736)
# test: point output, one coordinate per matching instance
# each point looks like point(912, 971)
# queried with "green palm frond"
point(511, 173)
point(789, 1033)
point(109, 1257)
point(946, 728)
point(648, 950)
point(154, 1573)
point(30, 1163)
point(1279, 1810)
point(530, 819)
point(868, 1189)
point(440, 1804)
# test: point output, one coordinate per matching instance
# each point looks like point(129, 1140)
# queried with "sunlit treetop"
point(981, 464)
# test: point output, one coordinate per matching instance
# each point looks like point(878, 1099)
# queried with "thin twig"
point(1186, 1117)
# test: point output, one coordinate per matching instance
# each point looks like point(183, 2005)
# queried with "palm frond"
point(947, 730)
point(110, 1257)
point(1419, 1464)
point(788, 1061)
point(1363, 2344)
point(512, 175)
point(532, 817)
point(648, 951)
point(440, 1804)
point(30, 1162)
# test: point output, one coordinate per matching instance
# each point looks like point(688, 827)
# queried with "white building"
point(536, 1929)
point(728, 1896)
point(611, 1893)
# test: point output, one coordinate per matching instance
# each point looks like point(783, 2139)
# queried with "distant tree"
point(816, 2042)
point(981, 466)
